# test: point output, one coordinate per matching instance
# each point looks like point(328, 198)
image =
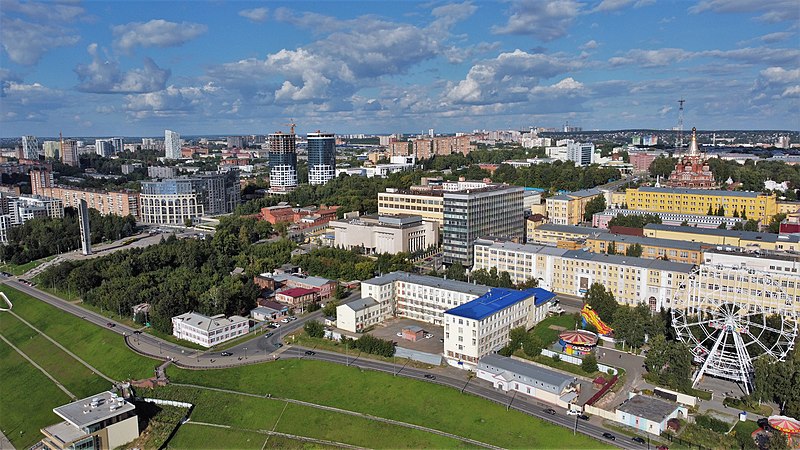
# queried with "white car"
point(285, 320)
point(573, 412)
point(399, 334)
point(428, 336)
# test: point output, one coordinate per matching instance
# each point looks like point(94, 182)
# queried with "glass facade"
point(321, 157)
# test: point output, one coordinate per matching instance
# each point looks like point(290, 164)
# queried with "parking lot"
point(389, 329)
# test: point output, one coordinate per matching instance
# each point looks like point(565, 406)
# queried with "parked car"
point(662, 447)
point(277, 325)
point(226, 354)
point(272, 326)
point(638, 439)
point(583, 417)
point(310, 352)
point(430, 377)
point(292, 318)
point(573, 412)
point(608, 435)
point(399, 334)
point(285, 320)
point(428, 335)
point(269, 334)
point(137, 332)
point(550, 411)
point(279, 345)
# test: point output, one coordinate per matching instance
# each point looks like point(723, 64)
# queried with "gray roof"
point(207, 323)
point(585, 193)
point(671, 243)
point(425, 280)
point(643, 263)
point(263, 310)
point(650, 408)
point(560, 197)
point(711, 192)
point(81, 413)
point(746, 235)
point(362, 303)
point(310, 280)
point(569, 229)
point(546, 379)
point(530, 248)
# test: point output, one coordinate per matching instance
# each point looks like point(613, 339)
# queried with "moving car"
point(550, 411)
point(573, 412)
point(226, 354)
point(430, 377)
point(638, 439)
point(137, 331)
point(279, 345)
point(583, 417)
point(111, 325)
point(285, 320)
point(310, 352)
point(268, 334)
point(399, 334)
point(608, 435)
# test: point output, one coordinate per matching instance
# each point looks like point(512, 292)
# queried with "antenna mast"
point(680, 122)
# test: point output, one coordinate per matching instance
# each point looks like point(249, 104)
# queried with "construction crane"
point(291, 125)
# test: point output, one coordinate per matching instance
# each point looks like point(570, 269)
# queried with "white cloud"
point(255, 14)
point(776, 37)
point(172, 101)
point(155, 33)
point(25, 42)
point(544, 19)
point(651, 58)
point(104, 76)
point(773, 11)
point(589, 45)
point(55, 11)
point(665, 56)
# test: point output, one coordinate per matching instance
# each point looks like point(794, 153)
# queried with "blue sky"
point(226, 67)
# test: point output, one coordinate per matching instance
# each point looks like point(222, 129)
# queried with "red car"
point(662, 447)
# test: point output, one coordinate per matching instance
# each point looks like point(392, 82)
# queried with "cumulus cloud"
point(544, 19)
point(773, 11)
point(105, 77)
point(255, 14)
point(614, 5)
point(172, 101)
point(26, 40)
point(155, 33)
point(651, 58)
point(589, 45)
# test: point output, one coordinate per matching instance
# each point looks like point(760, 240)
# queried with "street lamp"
point(245, 353)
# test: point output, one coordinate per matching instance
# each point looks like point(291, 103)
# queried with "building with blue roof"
point(481, 326)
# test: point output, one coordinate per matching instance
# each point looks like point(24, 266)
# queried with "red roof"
point(298, 292)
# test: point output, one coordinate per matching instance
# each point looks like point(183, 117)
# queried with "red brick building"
point(309, 216)
point(691, 171)
point(298, 297)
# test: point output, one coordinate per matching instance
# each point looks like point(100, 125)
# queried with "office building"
point(481, 326)
point(569, 208)
point(208, 331)
point(541, 383)
point(52, 149)
point(581, 153)
point(403, 294)
point(428, 205)
point(495, 210)
point(632, 280)
point(120, 203)
point(83, 223)
point(754, 205)
point(69, 152)
point(376, 234)
point(321, 157)
point(30, 148)
point(103, 421)
point(172, 145)
point(282, 162)
point(174, 201)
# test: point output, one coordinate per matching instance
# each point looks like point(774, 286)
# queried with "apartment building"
point(755, 205)
point(377, 234)
point(102, 421)
point(208, 331)
point(174, 201)
point(601, 219)
point(481, 326)
point(569, 208)
point(550, 233)
point(652, 248)
point(728, 238)
point(120, 203)
point(403, 294)
point(427, 204)
point(631, 280)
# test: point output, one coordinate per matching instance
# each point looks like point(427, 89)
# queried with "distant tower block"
point(83, 221)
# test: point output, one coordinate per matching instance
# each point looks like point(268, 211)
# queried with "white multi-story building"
point(104, 147)
point(102, 421)
point(581, 153)
point(385, 234)
point(172, 144)
point(632, 280)
point(15, 211)
point(51, 149)
point(208, 331)
point(481, 326)
point(30, 147)
point(427, 204)
point(417, 297)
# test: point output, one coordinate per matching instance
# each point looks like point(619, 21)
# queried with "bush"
point(314, 329)
point(371, 344)
point(712, 423)
point(589, 364)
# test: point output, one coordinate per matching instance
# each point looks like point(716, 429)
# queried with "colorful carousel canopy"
point(785, 424)
point(578, 337)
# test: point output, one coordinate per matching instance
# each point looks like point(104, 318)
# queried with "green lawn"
point(17, 270)
point(27, 398)
point(76, 377)
point(396, 398)
point(548, 336)
point(192, 437)
point(98, 346)
point(251, 413)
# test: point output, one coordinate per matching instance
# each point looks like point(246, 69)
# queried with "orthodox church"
point(692, 171)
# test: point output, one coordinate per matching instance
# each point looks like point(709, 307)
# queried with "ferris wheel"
point(730, 316)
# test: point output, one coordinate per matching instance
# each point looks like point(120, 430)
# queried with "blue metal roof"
point(498, 299)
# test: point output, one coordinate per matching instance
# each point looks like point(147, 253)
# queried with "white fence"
point(160, 401)
point(577, 361)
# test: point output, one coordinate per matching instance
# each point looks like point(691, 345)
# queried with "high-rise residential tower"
point(282, 162)
point(321, 157)
point(30, 147)
point(104, 147)
point(172, 144)
point(69, 152)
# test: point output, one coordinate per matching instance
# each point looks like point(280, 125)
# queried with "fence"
point(675, 396)
point(595, 411)
point(577, 361)
point(161, 401)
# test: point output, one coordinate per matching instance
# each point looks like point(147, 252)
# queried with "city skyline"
point(138, 68)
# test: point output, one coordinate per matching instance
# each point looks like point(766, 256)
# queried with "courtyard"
point(388, 330)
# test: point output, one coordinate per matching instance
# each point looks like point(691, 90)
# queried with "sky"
point(135, 68)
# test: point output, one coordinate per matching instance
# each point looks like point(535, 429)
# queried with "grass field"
point(15, 269)
point(99, 347)
point(192, 437)
point(386, 396)
point(547, 335)
point(27, 398)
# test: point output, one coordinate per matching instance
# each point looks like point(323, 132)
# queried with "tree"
point(456, 271)
point(330, 309)
point(595, 205)
point(188, 222)
point(710, 211)
point(722, 226)
point(743, 216)
point(589, 364)
point(736, 213)
point(775, 222)
point(777, 441)
point(516, 337)
point(612, 248)
point(669, 362)
point(750, 225)
point(634, 250)
point(314, 329)
point(721, 211)
point(662, 166)
point(532, 346)
point(601, 301)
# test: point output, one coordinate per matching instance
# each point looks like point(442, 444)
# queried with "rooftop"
point(282, 277)
point(629, 239)
point(643, 263)
point(575, 229)
point(202, 322)
point(96, 408)
point(496, 300)
point(552, 381)
point(650, 408)
point(298, 292)
point(424, 280)
point(702, 192)
point(746, 235)
point(362, 303)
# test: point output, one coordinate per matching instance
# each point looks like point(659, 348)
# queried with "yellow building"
point(550, 233)
point(429, 205)
point(568, 209)
point(652, 248)
point(788, 207)
point(724, 238)
point(756, 205)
